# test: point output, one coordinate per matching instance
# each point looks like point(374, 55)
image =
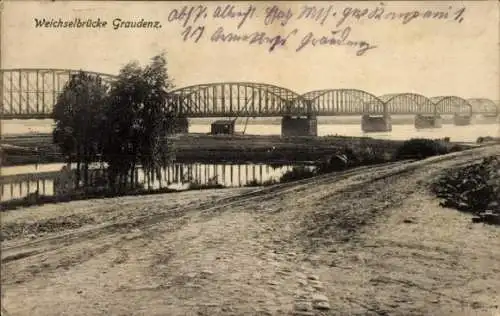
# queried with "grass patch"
point(35, 199)
point(487, 139)
point(354, 152)
point(204, 186)
point(255, 183)
point(421, 148)
point(297, 173)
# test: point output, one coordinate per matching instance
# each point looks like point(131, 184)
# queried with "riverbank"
point(202, 148)
point(353, 153)
point(362, 242)
point(337, 120)
point(46, 152)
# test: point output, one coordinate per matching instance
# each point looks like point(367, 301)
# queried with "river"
point(19, 181)
point(240, 173)
point(332, 127)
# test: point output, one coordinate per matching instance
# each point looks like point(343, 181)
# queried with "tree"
point(120, 145)
point(78, 115)
point(157, 119)
point(138, 120)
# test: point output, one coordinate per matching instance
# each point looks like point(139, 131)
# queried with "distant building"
point(223, 127)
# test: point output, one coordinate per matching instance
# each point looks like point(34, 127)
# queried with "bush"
point(348, 158)
point(334, 163)
point(473, 189)
point(297, 173)
point(420, 148)
point(487, 139)
point(456, 148)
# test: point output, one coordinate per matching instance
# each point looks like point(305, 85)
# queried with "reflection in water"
point(177, 176)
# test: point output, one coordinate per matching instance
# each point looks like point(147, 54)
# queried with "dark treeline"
point(121, 124)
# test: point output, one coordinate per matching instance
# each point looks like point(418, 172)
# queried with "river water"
point(177, 176)
point(235, 175)
point(399, 132)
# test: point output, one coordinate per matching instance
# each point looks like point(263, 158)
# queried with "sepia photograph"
point(250, 158)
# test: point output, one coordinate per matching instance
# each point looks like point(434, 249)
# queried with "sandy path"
point(371, 242)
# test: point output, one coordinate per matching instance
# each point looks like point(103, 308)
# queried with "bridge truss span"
point(408, 103)
point(452, 105)
point(331, 102)
point(32, 93)
point(485, 107)
point(233, 99)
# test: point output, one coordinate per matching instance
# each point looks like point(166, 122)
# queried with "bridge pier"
point(299, 126)
point(462, 120)
point(376, 123)
point(487, 119)
point(428, 121)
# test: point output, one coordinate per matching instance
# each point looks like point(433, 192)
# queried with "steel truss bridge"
point(32, 93)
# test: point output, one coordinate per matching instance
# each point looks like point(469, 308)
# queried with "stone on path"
point(313, 277)
point(321, 305)
point(303, 306)
point(206, 273)
point(302, 282)
point(317, 285)
point(301, 294)
point(319, 298)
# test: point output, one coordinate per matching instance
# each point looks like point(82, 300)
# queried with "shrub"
point(487, 139)
point(456, 148)
point(297, 173)
point(334, 163)
point(420, 148)
point(372, 155)
point(473, 188)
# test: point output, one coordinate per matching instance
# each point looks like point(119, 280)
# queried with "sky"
point(429, 57)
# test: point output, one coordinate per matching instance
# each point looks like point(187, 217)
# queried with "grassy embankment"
point(204, 148)
point(352, 157)
point(209, 149)
point(348, 153)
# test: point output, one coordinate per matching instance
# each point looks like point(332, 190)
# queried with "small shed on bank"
point(223, 127)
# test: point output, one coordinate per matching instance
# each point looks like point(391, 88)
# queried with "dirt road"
point(370, 241)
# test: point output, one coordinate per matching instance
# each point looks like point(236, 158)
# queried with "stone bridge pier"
point(428, 121)
point(487, 119)
point(299, 126)
point(376, 123)
point(461, 120)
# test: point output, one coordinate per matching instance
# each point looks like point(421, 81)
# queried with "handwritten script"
point(279, 26)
